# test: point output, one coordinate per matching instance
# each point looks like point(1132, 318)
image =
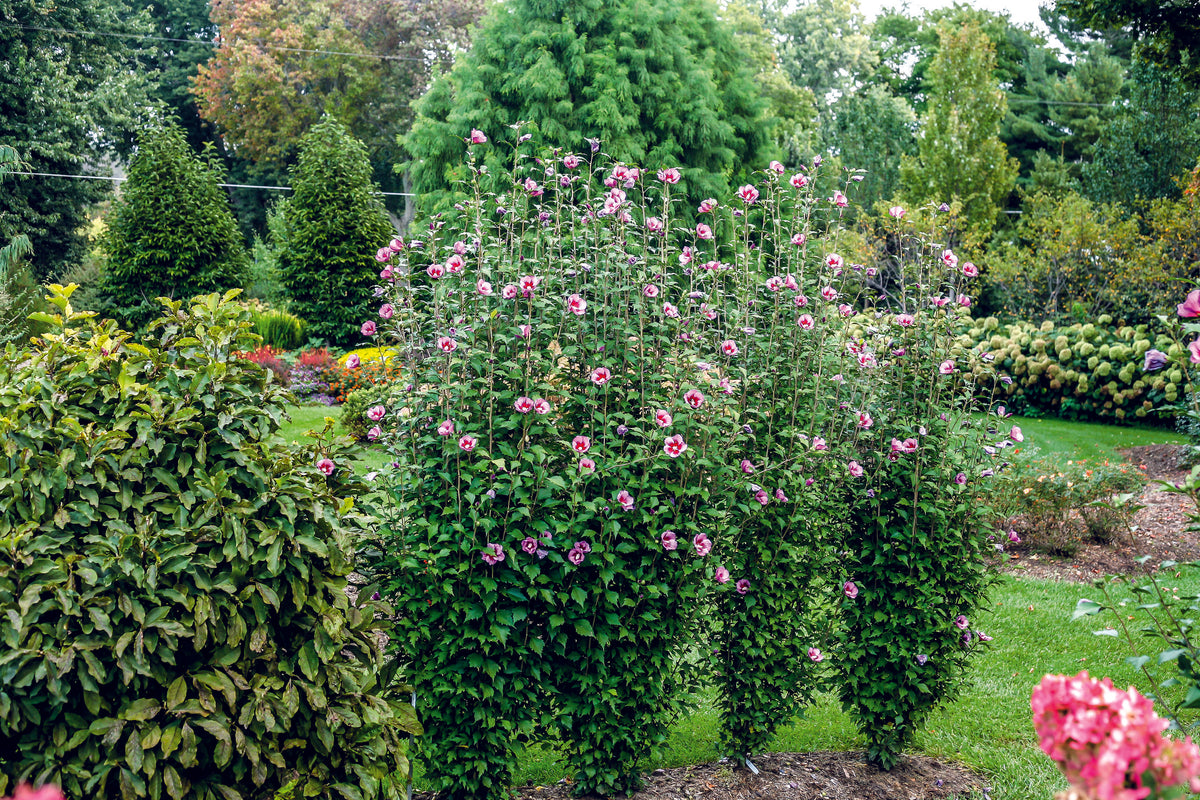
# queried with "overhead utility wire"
point(223, 185)
point(209, 44)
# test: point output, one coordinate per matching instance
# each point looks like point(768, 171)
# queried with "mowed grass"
point(1063, 439)
point(312, 418)
point(988, 728)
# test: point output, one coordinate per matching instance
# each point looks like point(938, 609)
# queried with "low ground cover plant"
point(173, 577)
point(610, 418)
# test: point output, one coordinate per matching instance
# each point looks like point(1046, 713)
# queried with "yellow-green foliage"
point(1081, 371)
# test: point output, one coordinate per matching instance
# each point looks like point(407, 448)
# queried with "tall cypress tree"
point(171, 234)
point(660, 83)
point(333, 224)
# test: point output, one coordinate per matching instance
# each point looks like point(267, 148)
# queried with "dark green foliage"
point(1168, 30)
point(19, 293)
point(173, 578)
point(171, 234)
point(68, 102)
point(1157, 138)
point(333, 223)
point(662, 84)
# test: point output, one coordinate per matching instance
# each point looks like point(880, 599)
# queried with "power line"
point(1024, 99)
point(207, 44)
point(223, 185)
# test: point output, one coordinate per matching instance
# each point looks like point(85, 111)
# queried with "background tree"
point(960, 155)
point(1168, 30)
point(332, 224)
point(265, 87)
point(66, 100)
point(171, 233)
point(826, 47)
point(660, 83)
point(874, 130)
point(18, 291)
point(1141, 152)
point(185, 41)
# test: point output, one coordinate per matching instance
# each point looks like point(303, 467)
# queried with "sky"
point(1019, 10)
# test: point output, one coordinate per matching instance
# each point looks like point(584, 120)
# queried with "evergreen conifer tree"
point(658, 82)
point(171, 233)
point(333, 224)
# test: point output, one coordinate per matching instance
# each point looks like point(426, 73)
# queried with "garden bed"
point(793, 776)
point(1160, 530)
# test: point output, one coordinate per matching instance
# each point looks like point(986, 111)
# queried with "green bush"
point(172, 233)
point(173, 578)
point(331, 227)
point(1082, 371)
point(279, 328)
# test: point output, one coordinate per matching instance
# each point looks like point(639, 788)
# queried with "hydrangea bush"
point(1109, 744)
point(610, 419)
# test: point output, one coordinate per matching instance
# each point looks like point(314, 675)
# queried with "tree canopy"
point(658, 83)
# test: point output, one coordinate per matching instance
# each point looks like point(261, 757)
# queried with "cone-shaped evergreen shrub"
point(171, 234)
point(332, 226)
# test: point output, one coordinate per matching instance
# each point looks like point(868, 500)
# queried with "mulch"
point(1159, 530)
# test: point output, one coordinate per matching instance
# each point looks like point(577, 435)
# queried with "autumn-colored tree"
point(282, 65)
point(960, 156)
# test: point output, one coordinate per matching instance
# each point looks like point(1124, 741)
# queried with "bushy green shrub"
point(171, 233)
point(279, 328)
point(331, 227)
point(173, 579)
point(583, 368)
point(1087, 371)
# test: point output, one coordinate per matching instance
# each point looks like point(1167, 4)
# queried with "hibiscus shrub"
point(919, 524)
point(612, 418)
point(173, 578)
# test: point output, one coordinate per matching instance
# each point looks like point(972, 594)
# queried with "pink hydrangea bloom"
point(1108, 742)
point(799, 180)
point(374, 433)
point(353, 361)
point(669, 540)
point(905, 320)
point(721, 575)
point(576, 305)
point(798, 239)
point(467, 443)
point(650, 290)
point(742, 586)
point(455, 264)
point(702, 544)
point(326, 466)
point(575, 556)
point(368, 328)
point(729, 347)
point(541, 406)
point(625, 500)
point(703, 231)
point(855, 469)
point(1194, 351)
point(662, 417)
point(376, 413)
point(946, 367)
point(525, 331)
point(1016, 435)
point(775, 167)
point(806, 322)
point(581, 444)
point(435, 271)
point(694, 398)
point(815, 655)
point(970, 270)
point(850, 589)
point(483, 288)
point(601, 375)
point(510, 291)
point(446, 344)
point(587, 466)
point(523, 404)
point(571, 161)
point(670, 175)
point(706, 205)
point(446, 428)
point(896, 212)
point(478, 137)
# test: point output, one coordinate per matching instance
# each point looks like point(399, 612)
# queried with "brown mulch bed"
point(822, 775)
point(1159, 530)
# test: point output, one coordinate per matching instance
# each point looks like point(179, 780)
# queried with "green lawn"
point(307, 418)
point(1059, 438)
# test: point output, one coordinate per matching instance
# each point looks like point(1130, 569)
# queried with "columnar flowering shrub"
point(918, 526)
point(609, 415)
point(1109, 744)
